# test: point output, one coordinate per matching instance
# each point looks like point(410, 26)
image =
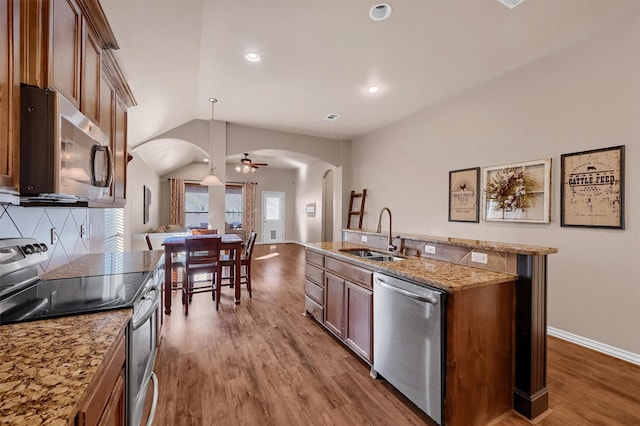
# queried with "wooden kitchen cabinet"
point(9, 93)
point(105, 402)
point(66, 46)
point(120, 153)
point(358, 333)
point(334, 304)
point(91, 78)
point(348, 305)
point(314, 285)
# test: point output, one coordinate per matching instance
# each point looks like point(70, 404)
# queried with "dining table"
point(230, 242)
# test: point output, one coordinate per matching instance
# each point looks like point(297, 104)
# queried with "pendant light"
point(211, 179)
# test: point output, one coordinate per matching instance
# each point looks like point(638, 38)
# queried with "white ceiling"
point(318, 56)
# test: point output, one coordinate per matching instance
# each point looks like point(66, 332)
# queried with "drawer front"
point(315, 257)
point(314, 309)
point(351, 272)
point(314, 273)
point(314, 291)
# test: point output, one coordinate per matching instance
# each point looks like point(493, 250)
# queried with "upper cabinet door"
point(91, 78)
point(9, 89)
point(66, 39)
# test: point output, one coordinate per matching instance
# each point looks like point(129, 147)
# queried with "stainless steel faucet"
point(390, 246)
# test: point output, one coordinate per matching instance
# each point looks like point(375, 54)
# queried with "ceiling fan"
point(246, 166)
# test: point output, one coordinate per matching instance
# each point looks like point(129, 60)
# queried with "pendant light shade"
point(211, 179)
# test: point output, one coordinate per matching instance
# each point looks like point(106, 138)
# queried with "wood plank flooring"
point(263, 363)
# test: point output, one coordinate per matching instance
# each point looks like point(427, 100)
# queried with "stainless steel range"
point(25, 297)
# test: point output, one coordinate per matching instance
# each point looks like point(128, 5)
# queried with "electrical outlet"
point(479, 257)
point(363, 238)
point(430, 249)
point(54, 236)
point(83, 231)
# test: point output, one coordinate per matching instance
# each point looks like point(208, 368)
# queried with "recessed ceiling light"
point(380, 12)
point(252, 57)
point(206, 160)
point(373, 89)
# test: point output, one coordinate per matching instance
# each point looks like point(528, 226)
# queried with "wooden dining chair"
point(148, 240)
point(202, 256)
point(177, 265)
point(245, 264)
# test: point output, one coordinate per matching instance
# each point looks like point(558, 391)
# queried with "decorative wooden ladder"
point(360, 213)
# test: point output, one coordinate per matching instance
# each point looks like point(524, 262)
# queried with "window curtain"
point(249, 208)
point(176, 207)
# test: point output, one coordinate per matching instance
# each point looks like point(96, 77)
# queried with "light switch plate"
point(430, 249)
point(479, 257)
point(363, 238)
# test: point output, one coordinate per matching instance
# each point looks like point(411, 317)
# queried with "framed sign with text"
point(463, 195)
point(592, 188)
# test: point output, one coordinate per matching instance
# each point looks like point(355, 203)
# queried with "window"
point(233, 207)
point(113, 230)
point(196, 206)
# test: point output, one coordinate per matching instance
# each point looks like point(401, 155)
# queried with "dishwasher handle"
point(418, 297)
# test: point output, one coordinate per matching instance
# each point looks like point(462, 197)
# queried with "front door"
point(272, 217)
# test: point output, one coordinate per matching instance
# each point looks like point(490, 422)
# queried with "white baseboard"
point(596, 346)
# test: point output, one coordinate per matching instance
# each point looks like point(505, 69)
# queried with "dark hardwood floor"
point(263, 363)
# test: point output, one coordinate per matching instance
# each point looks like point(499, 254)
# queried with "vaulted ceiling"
point(319, 56)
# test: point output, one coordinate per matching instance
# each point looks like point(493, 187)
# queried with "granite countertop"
point(107, 264)
point(46, 366)
point(463, 242)
point(443, 275)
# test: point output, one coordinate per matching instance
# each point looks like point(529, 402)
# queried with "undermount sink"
point(372, 255)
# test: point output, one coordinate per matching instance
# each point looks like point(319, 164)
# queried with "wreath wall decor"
point(518, 192)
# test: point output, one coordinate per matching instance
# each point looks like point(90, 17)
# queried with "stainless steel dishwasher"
point(408, 340)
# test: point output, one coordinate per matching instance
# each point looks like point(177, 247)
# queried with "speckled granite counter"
point(443, 275)
point(46, 366)
point(462, 242)
point(107, 264)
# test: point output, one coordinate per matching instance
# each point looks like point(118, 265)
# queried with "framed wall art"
point(518, 192)
point(464, 202)
point(592, 188)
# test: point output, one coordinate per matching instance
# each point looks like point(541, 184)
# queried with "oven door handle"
point(148, 304)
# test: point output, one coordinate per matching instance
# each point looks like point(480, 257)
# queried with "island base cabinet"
point(349, 314)
point(359, 320)
point(479, 354)
point(105, 401)
point(334, 304)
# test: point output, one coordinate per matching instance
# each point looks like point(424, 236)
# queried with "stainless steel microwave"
point(64, 156)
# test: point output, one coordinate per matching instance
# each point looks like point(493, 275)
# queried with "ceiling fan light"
point(238, 169)
point(253, 169)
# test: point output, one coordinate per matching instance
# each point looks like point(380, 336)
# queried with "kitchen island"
point(478, 325)
point(482, 309)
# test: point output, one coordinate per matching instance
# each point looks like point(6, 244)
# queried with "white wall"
point(585, 97)
point(309, 190)
point(271, 179)
point(140, 174)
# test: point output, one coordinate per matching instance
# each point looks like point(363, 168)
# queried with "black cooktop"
point(72, 296)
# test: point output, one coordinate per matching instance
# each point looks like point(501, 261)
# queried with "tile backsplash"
point(37, 222)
